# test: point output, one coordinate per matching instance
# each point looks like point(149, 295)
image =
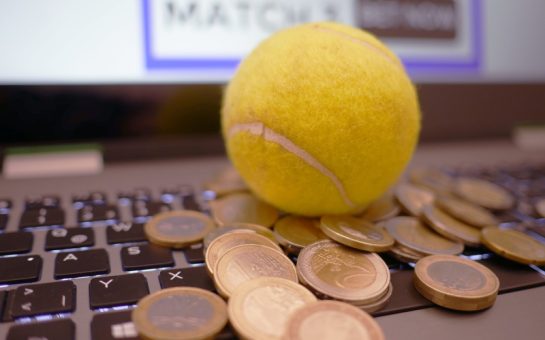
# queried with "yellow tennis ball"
point(320, 119)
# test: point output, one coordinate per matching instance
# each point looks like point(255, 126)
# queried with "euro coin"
point(295, 232)
point(250, 261)
point(514, 245)
point(411, 233)
point(450, 227)
point(466, 212)
point(383, 208)
point(483, 193)
point(456, 283)
point(238, 226)
point(178, 228)
point(540, 207)
point(324, 320)
point(356, 233)
point(380, 303)
point(180, 313)
point(222, 244)
point(432, 179)
point(260, 308)
point(243, 208)
point(343, 273)
point(413, 198)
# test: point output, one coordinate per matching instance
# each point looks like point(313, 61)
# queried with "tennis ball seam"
point(361, 42)
point(259, 129)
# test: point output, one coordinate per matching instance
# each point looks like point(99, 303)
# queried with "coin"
point(514, 245)
point(227, 182)
point(380, 303)
point(456, 283)
point(432, 179)
point(180, 313)
point(178, 228)
point(411, 233)
point(413, 199)
point(404, 254)
point(343, 273)
point(249, 261)
point(356, 233)
point(238, 237)
point(483, 193)
point(295, 232)
point(467, 212)
point(238, 226)
point(540, 207)
point(383, 208)
point(450, 227)
point(260, 308)
point(324, 320)
point(243, 207)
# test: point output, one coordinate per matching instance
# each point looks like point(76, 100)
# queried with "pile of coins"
point(294, 277)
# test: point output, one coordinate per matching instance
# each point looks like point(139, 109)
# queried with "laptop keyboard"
point(51, 273)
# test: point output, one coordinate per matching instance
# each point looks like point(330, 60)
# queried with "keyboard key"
point(20, 269)
point(187, 197)
point(91, 198)
point(52, 330)
point(146, 256)
point(124, 232)
point(3, 221)
point(189, 277)
point(5, 204)
point(138, 194)
point(194, 253)
point(148, 208)
point(97, 213)
point(63, 238)
point(119, 290)
point(113, 326)
point(81, 263)
point(44, 298)
point(42, 217)
point(45, 201)
point(16, 243)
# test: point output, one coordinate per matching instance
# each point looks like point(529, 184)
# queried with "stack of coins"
point(295, 232)
point(334, 271)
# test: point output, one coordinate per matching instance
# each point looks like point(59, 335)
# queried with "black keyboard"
point(54, 275)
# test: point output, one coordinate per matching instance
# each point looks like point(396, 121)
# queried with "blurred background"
point(143, 70)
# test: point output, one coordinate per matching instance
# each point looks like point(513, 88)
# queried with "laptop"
point(108, 120)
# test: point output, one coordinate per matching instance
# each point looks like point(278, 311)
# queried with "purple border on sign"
point(471, 64)
point(416, 65)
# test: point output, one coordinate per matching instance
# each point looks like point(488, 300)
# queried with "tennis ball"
point(320, 119)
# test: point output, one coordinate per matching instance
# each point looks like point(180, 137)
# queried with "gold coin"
point(432, 179)
point(411, 233)
point(238, 226)
point(249, 261)
point(456, 283)
point(404, 254)
point(180, 313)
point(379, 304)
point(467, 212)
point(356, 233)
point(260, 308)
point(331, 320)
point(178, 228)
point(227, 182)
point(540, 207)
point(343, 273)
point(295, 232)
point(514, 245)
point(383, 208)
point(238, 237)
point(413, 199)
point(483, 193)
point(450, 227)
point(243, 208)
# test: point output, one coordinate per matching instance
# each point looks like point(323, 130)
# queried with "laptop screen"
point(78, 70)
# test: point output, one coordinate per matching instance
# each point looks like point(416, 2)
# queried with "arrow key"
point(58, 330)
point(44, 298)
